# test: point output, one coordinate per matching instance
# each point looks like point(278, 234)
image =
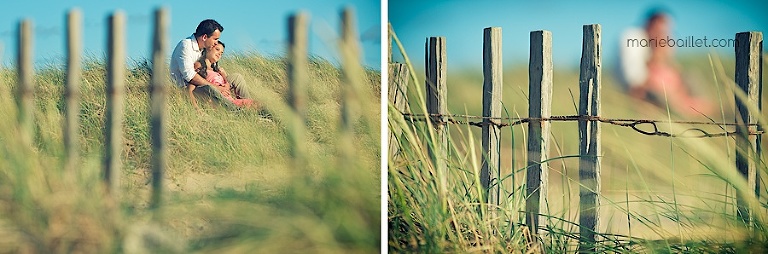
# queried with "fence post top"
point(25, 22)
point(74, 11)
point(749, 34)
point(747, 40)
point(436, 40)
point(541, 32)
point(300, 14)
point(162, 8)
point(118, 13)
point(348, 9)
point(592, 26)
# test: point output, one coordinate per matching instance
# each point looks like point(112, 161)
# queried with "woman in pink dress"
point(665, 78)
point(209, 69)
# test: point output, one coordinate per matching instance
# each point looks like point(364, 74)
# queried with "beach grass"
point(659, 194)
point(230, 185)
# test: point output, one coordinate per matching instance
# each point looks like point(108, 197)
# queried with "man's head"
point(208, 33)
point(658, 24)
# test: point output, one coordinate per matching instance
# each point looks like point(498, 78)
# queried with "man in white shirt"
point(189, 50)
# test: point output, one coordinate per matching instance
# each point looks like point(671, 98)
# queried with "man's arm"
point(186, 61)
point(199, 81)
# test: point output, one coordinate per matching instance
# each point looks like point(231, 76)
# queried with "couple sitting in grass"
point(208, 67)
point(194, 65)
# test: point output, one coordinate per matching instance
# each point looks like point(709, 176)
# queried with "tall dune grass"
point(659, 194)
point(229, 183)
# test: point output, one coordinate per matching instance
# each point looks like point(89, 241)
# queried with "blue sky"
point(248, 25)
point(462, 23)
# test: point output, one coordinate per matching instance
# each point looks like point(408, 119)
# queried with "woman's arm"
point(224, 87)
point(223, 73)
point(226, 84)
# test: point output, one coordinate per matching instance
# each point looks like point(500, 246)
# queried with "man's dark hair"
point(656, 13)
point(207, 27)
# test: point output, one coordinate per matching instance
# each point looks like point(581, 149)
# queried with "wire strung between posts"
point(635, 124)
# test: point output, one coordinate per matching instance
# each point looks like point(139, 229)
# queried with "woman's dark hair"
point(203, 71)
point(207, 27)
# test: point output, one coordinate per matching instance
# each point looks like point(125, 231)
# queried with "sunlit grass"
point(659, 194)
point(229, 183)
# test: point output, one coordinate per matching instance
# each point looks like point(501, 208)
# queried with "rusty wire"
point(635, 124)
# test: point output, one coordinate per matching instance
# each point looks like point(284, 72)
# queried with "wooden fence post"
point(491, 132)
point(436, 106)
point(72, 92)
point(115, 93)
point(26, 88)
point(350, 53)
point(748, 76)
point(589, 138)
point(539, 106)
point(297, 83)
point(398, 88)
point(351, 73)
point(158, 108)
point(389, 42)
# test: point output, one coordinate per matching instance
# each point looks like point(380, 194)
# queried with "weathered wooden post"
point(158, 108)
point(26, 88)
point(589, 138)
point(297, 83)
point(389, 43)
point(539, 106)
point(436, 69)
point(491, 132)
point(72, 92)
point(350, 53)
point(398, 88)
point(351, 72)
point(749, 73)
point(115, 94)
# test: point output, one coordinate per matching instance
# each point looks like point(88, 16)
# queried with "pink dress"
point(216, 79)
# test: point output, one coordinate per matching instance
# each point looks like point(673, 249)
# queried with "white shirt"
point(633, 58)
point(183, 59)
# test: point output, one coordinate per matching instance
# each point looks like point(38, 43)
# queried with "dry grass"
point(659, 194)
point(229, 183)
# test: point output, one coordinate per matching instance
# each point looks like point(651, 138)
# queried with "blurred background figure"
point(648, 70)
